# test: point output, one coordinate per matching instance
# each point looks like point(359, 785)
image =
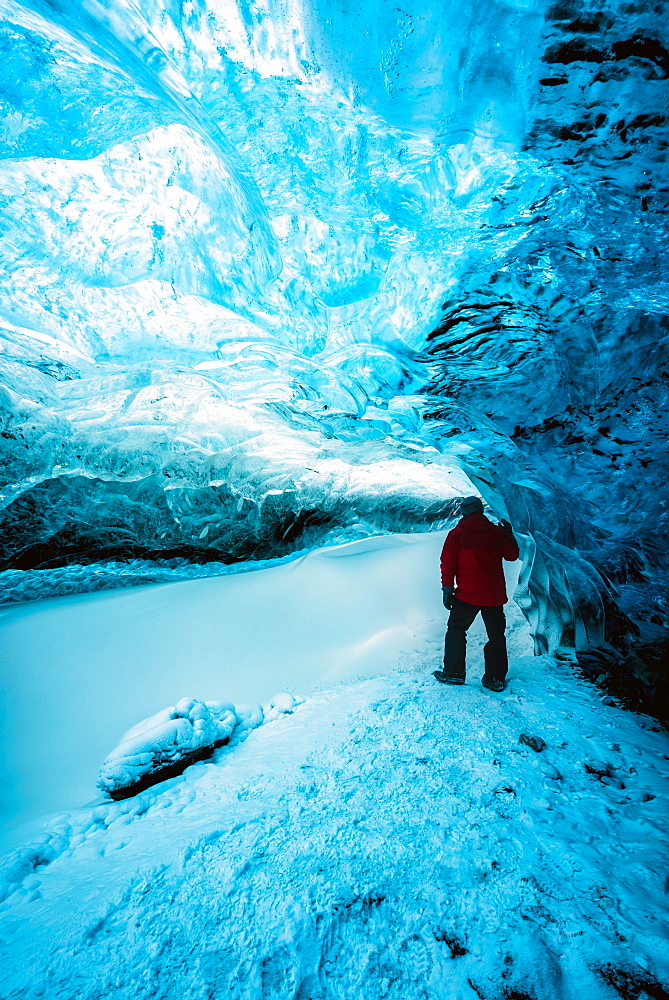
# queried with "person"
point(472, 557)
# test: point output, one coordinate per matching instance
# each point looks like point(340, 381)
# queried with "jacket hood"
point(475, 522)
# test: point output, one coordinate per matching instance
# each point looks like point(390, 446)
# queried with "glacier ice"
point(276, 274)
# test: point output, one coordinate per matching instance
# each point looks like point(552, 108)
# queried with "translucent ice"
point(276, 273)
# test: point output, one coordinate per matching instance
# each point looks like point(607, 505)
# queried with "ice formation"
point(276, 274)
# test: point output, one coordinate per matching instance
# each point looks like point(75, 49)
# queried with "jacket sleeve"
point(448, 561)
point(510, 550)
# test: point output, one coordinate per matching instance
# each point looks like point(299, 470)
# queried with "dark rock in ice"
point(534, 742)
point(164, 770)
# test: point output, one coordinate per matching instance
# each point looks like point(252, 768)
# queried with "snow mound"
point(175, 736)
point(280, 704)
point(166, 743)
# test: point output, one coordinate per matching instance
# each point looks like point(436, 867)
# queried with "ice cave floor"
point(389, 838)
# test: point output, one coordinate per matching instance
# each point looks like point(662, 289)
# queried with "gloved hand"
point(507, 526)
point(447, 596)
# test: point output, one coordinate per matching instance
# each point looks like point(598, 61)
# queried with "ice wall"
point(276, 272)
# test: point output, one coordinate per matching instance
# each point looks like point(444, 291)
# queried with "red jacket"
point(472, 554)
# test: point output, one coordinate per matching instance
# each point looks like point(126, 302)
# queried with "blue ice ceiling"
point(277, 273)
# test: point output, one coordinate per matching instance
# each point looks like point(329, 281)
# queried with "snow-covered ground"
point(389, 837)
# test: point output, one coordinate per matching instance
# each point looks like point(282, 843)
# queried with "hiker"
point(472, 557)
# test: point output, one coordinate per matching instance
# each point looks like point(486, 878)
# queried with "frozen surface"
point(391, 837)
point(383, 835)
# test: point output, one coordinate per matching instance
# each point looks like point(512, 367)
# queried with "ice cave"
point(282, 282)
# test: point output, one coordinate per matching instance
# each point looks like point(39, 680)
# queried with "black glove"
point(507, 526)
point(447, 596)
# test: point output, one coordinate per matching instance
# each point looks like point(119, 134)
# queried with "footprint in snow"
point(366, 956)
point(278, 975)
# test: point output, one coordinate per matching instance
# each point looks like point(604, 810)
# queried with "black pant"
point(494, 652)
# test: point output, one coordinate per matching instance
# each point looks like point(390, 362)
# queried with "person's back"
point(474, 550)
point(473, 581)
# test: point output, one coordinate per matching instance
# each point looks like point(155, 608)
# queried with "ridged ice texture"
point(280, 272)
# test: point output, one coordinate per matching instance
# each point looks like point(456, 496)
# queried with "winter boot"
point(493, 684)
point(446, 679)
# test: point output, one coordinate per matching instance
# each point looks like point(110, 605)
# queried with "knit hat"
point(470, 505)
